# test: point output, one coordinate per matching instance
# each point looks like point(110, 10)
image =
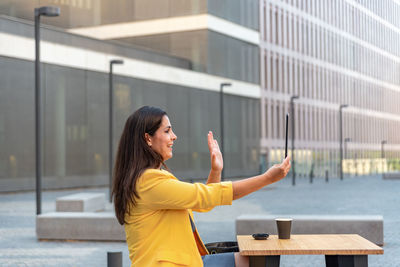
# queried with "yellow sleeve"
point(161, 191)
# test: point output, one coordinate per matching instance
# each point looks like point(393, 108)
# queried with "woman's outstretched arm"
point(275, 173)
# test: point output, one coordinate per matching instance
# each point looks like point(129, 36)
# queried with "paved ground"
point(362, 195)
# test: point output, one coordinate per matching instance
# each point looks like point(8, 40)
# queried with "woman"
point(156, 207)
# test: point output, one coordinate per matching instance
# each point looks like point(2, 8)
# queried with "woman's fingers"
point(286, 160)
point(216, 144)
point(286, 165)
point(210, 139)
point(212, 143)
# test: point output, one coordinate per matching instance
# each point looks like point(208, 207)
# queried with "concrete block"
point(391, 175)
point(367, 226)
point(81, 202)
point(79, 226)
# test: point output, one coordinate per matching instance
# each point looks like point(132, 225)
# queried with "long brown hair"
point(134, 156)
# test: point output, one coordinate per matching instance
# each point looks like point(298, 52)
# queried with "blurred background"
point(235, 67)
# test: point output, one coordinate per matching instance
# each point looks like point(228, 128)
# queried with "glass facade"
point(209, 52)
point(75, 125)
point(232, 58)
point(26, 29)
point(331, 53)
point(86, 13)
point(242, 12)
point(206, 51)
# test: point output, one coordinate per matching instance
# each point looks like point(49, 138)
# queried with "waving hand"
point(217, 162)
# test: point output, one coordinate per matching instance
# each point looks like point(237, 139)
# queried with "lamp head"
point(117, 61)
point(343, 106)
point(294, 97)
point(47, 11)
point(226, 84)
point(384, 142)
point(348, 139)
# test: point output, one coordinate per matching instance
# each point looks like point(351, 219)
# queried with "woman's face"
point(163, 139)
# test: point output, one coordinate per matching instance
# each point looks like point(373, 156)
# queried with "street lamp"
point(382, 151)
point(292, 98)
point(346, 140)
point(47, 11)
point(221, 99)
point(341, 139)
point(110, 119)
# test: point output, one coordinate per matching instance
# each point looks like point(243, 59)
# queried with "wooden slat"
point(308, 244)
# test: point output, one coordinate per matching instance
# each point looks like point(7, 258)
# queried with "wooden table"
point(339, 250)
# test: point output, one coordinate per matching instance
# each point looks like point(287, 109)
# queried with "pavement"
point(351, 196)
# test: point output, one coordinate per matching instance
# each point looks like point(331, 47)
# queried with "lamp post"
point(110, 120)
point(292, 98)
point(341, 140)
point(346, 140)
point(382, 151)
point(47, 11)
point(221, 104)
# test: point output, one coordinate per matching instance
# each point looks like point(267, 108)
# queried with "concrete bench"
point(79, 226)
point(367, 226)
point(391, 175)
point(81, 202)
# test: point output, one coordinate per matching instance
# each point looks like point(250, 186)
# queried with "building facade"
point(75, 88)
point(321, 55)
point(317, 55)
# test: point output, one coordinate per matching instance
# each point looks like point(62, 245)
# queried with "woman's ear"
point(148, 139)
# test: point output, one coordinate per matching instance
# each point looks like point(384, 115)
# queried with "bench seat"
point(81, 202)
point(79, 226)
point(391, 175)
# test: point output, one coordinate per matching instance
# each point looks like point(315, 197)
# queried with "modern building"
point(174, 75)
point(323, 55)
point(317, 55)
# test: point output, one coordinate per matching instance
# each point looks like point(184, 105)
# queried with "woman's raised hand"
point(279, 171)
point(217, 162)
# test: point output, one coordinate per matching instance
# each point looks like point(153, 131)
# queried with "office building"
point(176, 54)
point(185, 81)
point(328, 54)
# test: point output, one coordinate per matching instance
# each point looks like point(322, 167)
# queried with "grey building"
point(176, 54)
point(183, 80)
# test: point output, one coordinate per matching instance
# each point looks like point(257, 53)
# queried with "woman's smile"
point(163, 139)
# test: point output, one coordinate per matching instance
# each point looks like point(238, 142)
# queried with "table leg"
point(265, 261)
point(346, 260)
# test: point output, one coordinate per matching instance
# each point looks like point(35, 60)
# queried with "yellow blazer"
point(158, 229)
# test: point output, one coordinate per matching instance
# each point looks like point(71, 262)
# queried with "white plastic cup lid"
point(284, 219)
